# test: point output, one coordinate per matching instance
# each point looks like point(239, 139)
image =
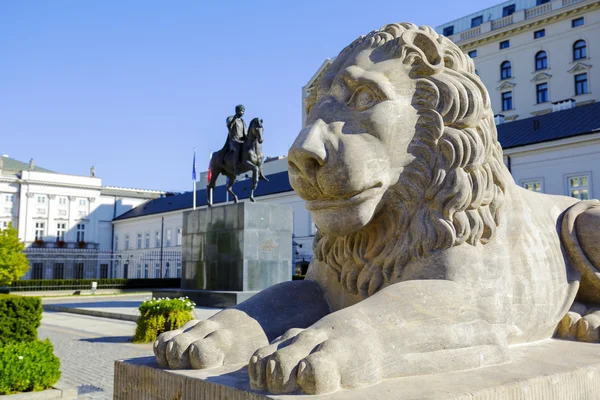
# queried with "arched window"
point(579, 50)
point(541, 60)
point(505, 70)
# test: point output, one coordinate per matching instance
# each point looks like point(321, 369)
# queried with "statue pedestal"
point(231, 252)
point(550, 369)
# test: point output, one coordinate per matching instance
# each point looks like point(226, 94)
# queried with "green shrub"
point(298, 277)
point(19, 318)
point(161, 315)
point(28, 366)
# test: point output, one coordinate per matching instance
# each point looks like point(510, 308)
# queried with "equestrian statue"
point(241, 153)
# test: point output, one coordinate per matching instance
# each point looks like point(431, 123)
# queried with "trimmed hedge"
point(19, 318)
point(162, 315)
point(28, 366)
point(78, 284)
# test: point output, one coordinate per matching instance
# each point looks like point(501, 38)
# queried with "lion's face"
point(355, 144)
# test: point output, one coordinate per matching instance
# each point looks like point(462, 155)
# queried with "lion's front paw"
point(314, 361)
point(227, 339)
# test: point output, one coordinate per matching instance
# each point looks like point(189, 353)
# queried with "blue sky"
point(132, 86)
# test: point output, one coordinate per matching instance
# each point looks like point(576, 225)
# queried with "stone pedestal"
point(233, 251)
point(551, 369)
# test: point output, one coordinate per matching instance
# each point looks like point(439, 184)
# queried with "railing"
point(566, 3)
point(470, 33)
point(86, 284)
point(539, 10)
point(64, 263)
point(502, 22)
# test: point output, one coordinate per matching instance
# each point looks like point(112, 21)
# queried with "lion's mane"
point(453, 192)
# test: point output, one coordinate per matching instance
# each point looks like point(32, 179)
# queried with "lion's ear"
point(422, 52)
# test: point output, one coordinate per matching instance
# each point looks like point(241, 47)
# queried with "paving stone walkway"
point(87, 348)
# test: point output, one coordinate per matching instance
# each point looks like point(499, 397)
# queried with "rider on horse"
point(238, 133)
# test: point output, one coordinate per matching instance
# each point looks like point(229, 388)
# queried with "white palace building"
point(64, 220)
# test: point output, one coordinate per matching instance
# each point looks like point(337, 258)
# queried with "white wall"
point(553, 163)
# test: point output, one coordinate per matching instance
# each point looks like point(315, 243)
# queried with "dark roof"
point(10, 164)
point(278, 183)
point(552, 126)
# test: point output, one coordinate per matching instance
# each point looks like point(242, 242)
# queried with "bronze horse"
point(251, 160)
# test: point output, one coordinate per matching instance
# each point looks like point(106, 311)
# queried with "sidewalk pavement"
point(123, 307)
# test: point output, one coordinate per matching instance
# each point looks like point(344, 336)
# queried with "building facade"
point(534, 56)
point(64, 220)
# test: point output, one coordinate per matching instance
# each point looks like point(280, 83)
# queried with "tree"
point(13, 262)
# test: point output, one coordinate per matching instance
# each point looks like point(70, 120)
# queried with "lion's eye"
point(362, 98)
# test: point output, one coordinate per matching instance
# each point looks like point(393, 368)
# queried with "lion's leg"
point(232, 335)
point(410, 328)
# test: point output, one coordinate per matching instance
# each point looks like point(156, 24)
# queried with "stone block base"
point(546, 370)
point(207, 298)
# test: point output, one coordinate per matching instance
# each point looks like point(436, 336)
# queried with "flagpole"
point(194, 179)
point(211, 192)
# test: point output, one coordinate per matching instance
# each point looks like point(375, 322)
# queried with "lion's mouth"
point(347, 201)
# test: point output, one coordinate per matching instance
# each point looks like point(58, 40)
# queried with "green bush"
point(298, 277)
point(19, 318)
point(80, 284)
point(161, 315)
point(28, 366)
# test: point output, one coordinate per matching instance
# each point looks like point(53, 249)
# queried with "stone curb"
point(92, 313)
point(57, 392)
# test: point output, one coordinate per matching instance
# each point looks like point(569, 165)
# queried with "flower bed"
point(161, 315)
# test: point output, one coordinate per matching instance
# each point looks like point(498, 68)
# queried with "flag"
point(209, 175)
point(194, 166)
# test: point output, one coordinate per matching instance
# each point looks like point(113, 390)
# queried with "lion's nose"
point(308, 152)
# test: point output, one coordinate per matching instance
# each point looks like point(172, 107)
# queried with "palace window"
point(577, 22)
point(508, 10)
point(126, 242)
point(61, 228)
point(116, 243)
point(533, 185)
point(168, 244)
point(473, 53)
point(539, 34)
point(81, 232)
point(139, 240)
point(579, 50)
point(579, 186)
point(178, 270)
point(147, 240)
point(41, 199)
point(178, 238)
point(581, 84)
point(542, 92)
point(9, 198)
point(40, 230)
point(448, 31)
point(507, 101)
point(37, 272)
point(167, 269)
point(541, 60)
point(82, 202)
point(157, 239)
point(59, 271)
point(505, 44)
point(505, 70)
point(62, 201)
point(475, 22)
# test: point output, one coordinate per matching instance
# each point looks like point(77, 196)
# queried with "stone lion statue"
point(428, 257)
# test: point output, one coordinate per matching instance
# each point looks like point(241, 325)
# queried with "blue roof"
point(552, 126)
point(278, 183)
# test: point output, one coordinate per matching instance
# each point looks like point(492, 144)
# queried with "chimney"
point(499, 119)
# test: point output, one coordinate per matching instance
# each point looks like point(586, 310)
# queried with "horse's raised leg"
point(230, 182)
